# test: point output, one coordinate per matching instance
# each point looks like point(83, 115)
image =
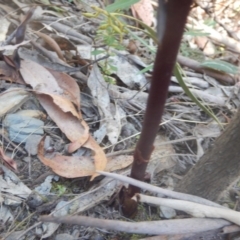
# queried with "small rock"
point(46, 186)
point(21, 127)
point(27, 159)
point(167, 212)
point(34, 200)
point(128, 129)
point(39, 231)
point(47, 143)
point(32, 144)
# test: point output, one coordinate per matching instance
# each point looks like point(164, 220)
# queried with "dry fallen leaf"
point(4, 28)
point(56, 92)
point(13, 47)
point(11, 99)
point(61, 87)
point(77, 131)
point(20, 31)
point(64, 104)
point(64, 43)
point(32, 113)
point(99, 156)
point(81, 166)
point(99, 91)
point(69, 86)
point(7, 9)
point(144, 11)
point(9, 161)
point(39, 78)
point(118, 162)
point(51, 43)
point(10, 74)
point(69, 166)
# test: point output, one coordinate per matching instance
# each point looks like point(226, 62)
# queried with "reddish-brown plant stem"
point(176, 14)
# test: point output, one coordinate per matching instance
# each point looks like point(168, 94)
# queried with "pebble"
point(167, 212)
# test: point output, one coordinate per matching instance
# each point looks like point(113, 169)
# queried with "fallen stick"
point(195, 209)
point(176, 226)
point(166, 192)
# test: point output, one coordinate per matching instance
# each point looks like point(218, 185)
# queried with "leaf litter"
point(48, 81)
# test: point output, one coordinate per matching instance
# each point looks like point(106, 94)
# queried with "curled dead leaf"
point(39, 78)
point(82, 166)
point(64, 104)
point(100, 159)
point(10, 74)
point(11, 99)
point(70, 88)
point(67, 166)
point(77, 131)
point(51, 43)
point(9, 161)
point(144, 11)
point(20, 32)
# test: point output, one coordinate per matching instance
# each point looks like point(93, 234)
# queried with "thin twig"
point(155, 189)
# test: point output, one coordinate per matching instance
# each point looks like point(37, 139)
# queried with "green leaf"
point(146, 69)
point(141, 40)
point(209, 22)
point(113, 68)
point(178, 74)
point(221, 66)
point(196, 33)
point(96, 52)
point(120, 5)
point(151, 33)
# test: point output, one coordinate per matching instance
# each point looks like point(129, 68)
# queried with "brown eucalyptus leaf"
point(12, 99)
point(81, 166)
point(39, 78)
point(64, 104)
point(69, 85)
point(75, 129)
point(20, 33)
point(64, 43)
point(9, 161)
point(51, 43)
point(13, 61)
point(67, 166)
point(100, 159)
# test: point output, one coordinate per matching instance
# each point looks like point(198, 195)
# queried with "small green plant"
point(109, 79)
point(110, 34)
point(59, 189)
point(112, 31)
